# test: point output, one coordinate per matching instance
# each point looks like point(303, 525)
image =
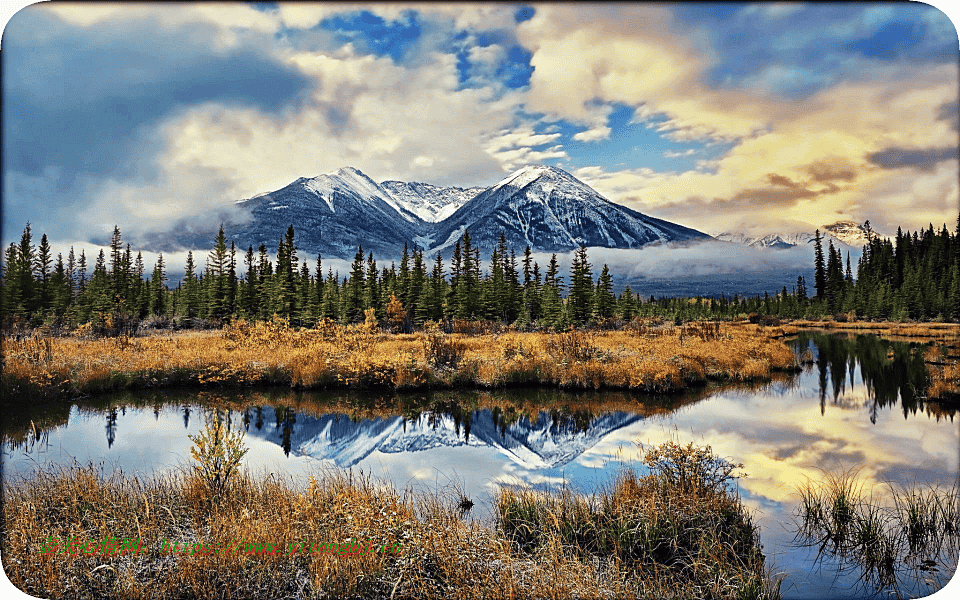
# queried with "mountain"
point(332, 214)
point(844, 234)
point(550, 210)
point(430, 203)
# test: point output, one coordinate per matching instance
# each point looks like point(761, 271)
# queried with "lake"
point(856, 407)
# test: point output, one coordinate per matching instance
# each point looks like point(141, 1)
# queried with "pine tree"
point(59, 289)
point(403, 278)
point(189, 289)
point(580, 300)
point(552, 304)
point(820, 276)
point(626, 304)
point(26, 286)
point(12, 299)
point(99, 290)
point(353, 293)
point(139, 292)
point(118, 277)
point(431, 301)
point(454, 308)
point(158, 293)
point(44, 260)
point(371, 288)
point(604, 302)
point(331, 297)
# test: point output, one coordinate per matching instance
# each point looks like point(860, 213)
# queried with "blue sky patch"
point(372, 34)
point(632, 145)
point(524, 13)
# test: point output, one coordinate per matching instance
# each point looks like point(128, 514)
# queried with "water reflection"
point(859, 405)
point(891, 372)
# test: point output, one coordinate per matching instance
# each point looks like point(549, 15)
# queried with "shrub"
point(218, 452)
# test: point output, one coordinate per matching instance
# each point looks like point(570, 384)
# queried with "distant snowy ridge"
point(841, 233)
point(429, 202)
point(544, 442)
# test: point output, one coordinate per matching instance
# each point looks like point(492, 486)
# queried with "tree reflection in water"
point(892, 372)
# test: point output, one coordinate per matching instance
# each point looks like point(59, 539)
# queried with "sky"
point(755, 118)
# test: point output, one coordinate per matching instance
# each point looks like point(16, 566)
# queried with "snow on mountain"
point(545, 442)
point(849, 233)
point(429, 202)
point(845, 234)
point(334, 213)
point(548, 209)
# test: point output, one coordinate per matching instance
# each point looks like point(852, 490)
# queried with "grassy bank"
point(652, 536)
point(641, 357)
point(949, 332)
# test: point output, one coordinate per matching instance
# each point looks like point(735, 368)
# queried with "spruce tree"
point(44, 261)
point(158, 295)
point(580, 300)
point(218, 263)
point(353, 293)
point(820, 274)
point(604, 302)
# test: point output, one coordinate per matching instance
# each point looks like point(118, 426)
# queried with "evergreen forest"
point(915, 276)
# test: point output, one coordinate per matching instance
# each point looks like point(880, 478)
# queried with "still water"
point(856, 406)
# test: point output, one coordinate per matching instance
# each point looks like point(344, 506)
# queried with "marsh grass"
point(652, 536)
point(643, 538)
point(659, 359)
point(909, 542)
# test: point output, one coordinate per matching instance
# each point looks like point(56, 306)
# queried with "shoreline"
point(646, 357)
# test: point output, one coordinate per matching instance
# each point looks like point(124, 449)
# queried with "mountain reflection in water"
point(859, 406)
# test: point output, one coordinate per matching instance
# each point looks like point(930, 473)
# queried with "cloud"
point(82, 101)
point(135, 110)
point(664, 261)
point(923, 159)
point(644, 57)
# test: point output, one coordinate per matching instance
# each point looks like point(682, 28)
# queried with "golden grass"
point(945, 381)
point(439, 553)
point(939, 331)
point(661, 359)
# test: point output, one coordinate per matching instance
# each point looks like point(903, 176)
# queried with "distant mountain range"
point(843, 234)
point(543, 207)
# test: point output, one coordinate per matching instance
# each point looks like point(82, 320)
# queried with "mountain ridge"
point(336, 213)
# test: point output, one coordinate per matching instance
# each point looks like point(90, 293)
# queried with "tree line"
point(914, 276)
point(119, 290)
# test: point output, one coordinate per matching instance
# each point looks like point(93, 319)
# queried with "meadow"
point(646, 355)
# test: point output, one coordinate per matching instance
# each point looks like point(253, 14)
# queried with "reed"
point(907, 542)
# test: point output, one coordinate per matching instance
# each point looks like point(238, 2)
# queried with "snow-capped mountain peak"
point(841, 233)
point(538, 206)
point(429, 202)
